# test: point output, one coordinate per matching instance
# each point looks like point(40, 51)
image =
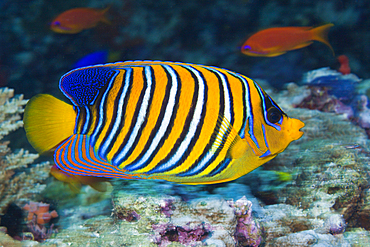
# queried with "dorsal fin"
point(82, 85)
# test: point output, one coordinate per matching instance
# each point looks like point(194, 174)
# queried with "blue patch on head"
point(82, 86)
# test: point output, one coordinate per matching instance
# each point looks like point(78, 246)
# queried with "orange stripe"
point(209, 124)
point(184, 104)
point(136, 89)
point(153, 117)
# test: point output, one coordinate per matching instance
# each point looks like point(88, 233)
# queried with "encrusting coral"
point(38, 216)
point(19, 180)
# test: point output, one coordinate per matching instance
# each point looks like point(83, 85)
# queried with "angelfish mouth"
point(296, 127)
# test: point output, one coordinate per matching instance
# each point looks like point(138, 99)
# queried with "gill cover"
point(269, 130)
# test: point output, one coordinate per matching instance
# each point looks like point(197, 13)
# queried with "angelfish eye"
point(274, 115)
point(57, 23)
point(247, 47)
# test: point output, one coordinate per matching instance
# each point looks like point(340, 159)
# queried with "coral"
point(341, 86)
point(326, 201)
point(332, 92)
point(335, 224)
point(190, 235)
point(199, 221)
point(167, 207)
point(363, 112)
point(39, 232)
point(19, 181)
point(319, 99)
point(248, 232)
point(328, 195)
point(344, 65)
point(39, 212)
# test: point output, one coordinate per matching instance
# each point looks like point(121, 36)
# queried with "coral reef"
point(204, 220)
point(325, 203)
point(328, 193)
point(331, 91)
point(38, 216)
point(19, 180)
point(188, 235)
point(318, 185)
point(339, 85)
point(151, 217)
point(248, 232)
point(39, 212)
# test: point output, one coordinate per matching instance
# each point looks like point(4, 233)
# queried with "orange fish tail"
point(321, 34)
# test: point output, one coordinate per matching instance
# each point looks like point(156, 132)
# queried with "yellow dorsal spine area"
point(48, 121)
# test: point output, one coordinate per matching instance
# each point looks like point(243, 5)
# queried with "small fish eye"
point(274, 115)
point(57, 23)
point(247, 47)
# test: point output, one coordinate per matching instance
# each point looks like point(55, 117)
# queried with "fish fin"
point(99, 186)
point(226, 130)
point(103, 17)
point(302, 45)
point(257, 151)
point(77, 157)
point(75, 187)
point(238, 148)
point(274, 54)
point(271, 52)
point(48, 121)
point(321, 34)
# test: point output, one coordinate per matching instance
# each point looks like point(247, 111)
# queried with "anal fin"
point(77, 157)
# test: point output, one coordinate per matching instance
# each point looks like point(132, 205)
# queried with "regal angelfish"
point(180, 122)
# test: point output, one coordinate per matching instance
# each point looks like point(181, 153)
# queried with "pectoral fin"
point(259, 151)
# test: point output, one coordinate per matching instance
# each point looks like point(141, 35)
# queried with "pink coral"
point(248, 232)
point(167, 207)
point(189, 235)
point(38, 216)
point(321, 100)
point(40, 211)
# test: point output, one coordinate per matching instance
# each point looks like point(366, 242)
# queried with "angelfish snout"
point(295, 132)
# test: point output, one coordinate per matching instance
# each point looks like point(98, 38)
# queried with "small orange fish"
point(74, 181)
point(273, 42)
point(78, 19)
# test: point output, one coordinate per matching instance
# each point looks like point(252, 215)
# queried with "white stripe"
point(119, 116)
point(248, 107)
point(193, 124)
point(165, 121)
point(227, 111)
point(87, 120)
point(221, 133)
point(141, 117)
point(77, 117)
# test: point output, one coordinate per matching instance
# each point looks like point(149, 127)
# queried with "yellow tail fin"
point(321, 34)
point(48, 121)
